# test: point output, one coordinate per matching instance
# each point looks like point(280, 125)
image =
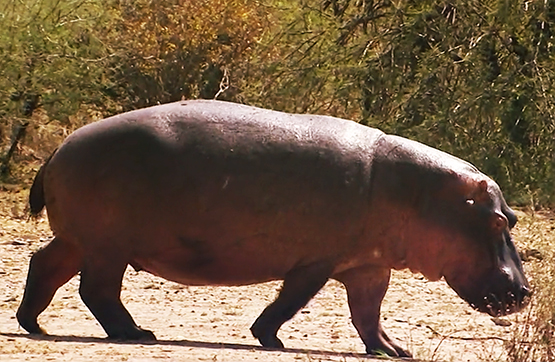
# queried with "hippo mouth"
point(499, 297)
point(498, 289)
point(498, 305)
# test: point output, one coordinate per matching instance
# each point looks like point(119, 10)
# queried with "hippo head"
point(455, 224)
point(488, 274)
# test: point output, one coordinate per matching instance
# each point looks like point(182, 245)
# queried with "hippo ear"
point(482, 191)
point(476, 191)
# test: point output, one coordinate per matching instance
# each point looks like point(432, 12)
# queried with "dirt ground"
point(212, 323)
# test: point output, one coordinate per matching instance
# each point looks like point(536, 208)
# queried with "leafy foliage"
point(299, 67)
point(49, 58)
point(472, 78)
point(167, 51)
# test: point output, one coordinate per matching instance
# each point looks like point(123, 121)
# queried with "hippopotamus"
point(205, 192)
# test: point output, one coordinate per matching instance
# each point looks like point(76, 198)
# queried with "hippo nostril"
point(524, 296)
point(525, 291)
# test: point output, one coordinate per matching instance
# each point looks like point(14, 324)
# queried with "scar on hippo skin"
point(302, 198)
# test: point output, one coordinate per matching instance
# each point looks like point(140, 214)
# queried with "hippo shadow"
point(188, 343)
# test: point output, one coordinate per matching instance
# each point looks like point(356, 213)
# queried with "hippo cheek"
point(498, 289)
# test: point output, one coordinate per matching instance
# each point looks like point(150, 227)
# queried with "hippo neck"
point(408, 188)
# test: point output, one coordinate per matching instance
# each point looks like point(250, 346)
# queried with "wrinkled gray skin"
point(216, 193)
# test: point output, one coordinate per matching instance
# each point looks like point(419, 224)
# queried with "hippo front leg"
point(366, 288)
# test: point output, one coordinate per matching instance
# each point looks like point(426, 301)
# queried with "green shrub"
point(471, 78)
point(166, 51)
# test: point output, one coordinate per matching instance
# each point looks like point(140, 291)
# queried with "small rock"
point(528, 254)
point(501, 322)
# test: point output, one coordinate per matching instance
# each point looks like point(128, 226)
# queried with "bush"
point(471, 78)
point(172, 50)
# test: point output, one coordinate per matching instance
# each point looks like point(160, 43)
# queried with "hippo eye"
point(470, 202)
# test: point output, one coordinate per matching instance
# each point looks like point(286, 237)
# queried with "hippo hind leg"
point(100, 289)
point(49, 269)
point(299, 286)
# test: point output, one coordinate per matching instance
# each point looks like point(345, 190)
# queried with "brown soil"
point(212, 323)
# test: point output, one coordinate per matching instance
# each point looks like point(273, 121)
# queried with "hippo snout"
point(499, 292)
point(504, 303)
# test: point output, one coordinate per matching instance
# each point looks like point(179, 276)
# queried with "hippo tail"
point(36, 195)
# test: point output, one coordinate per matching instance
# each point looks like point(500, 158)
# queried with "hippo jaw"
point(499, 290)
point(498, 301)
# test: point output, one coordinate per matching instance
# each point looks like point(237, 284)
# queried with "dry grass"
point(533, 340)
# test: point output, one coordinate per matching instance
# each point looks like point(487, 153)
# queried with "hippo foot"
point(383, 345)
point(390, 350)
point(135, 334)
point(269, 340)
point(30, 325)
